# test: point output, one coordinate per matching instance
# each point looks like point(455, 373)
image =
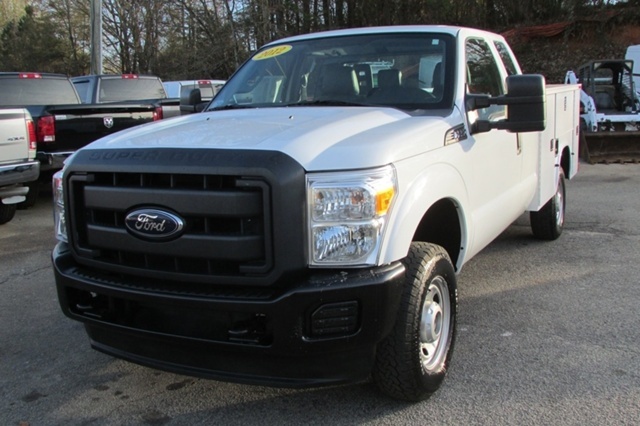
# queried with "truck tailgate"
point(79, 125)
point(14, 143)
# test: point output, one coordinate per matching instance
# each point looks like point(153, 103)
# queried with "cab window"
point(507, 59)
point(483, 77)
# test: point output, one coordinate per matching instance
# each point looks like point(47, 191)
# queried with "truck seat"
point(436, 81)
point(389, 79)
point(365, 78)
point(604, 98)
point(339, 82)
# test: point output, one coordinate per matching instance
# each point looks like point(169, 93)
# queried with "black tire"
point(548, 222)
point(7, 211)
point(31, 197)
point(412, 361)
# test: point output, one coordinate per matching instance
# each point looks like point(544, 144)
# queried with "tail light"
point(129, 76)
point(30, 75)
point(157, 114)
point(31, 129)
point(46, 130)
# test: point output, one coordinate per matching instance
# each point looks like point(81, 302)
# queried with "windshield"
point(407, 71)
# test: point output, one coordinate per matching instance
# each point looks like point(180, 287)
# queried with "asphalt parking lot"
point(549, 334)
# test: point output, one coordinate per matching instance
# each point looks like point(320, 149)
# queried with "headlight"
point(347, 215)
point(58, 207)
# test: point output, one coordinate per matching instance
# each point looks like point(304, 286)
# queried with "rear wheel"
point(31, 197)
point(412, 361)
point(548, 222)
point(7, 211)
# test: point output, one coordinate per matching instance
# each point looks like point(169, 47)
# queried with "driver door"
point(496, 158)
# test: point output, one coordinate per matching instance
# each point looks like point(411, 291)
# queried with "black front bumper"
point(320, 329)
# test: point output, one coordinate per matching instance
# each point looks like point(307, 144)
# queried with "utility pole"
point(96, 36)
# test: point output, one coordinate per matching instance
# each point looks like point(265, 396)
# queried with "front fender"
point(418, 191)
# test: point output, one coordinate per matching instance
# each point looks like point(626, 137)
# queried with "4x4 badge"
point(108, 122)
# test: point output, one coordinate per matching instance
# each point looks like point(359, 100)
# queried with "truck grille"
point(227, 233)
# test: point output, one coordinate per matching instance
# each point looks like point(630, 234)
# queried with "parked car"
point(208, 88)
point(62, 123)
point(308, 226)
point(18, 165)
point(122, 88)
point(194, 94)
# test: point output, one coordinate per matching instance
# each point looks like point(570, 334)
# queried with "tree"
point(31, 44)
point(72, 17)
point(134, 30)
point(11, 10)
point(184, 39)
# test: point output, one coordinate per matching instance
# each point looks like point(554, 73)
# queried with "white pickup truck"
point(307, 227)
point(18, 165)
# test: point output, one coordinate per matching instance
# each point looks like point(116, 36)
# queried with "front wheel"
point(412, 361)
point(548, 222)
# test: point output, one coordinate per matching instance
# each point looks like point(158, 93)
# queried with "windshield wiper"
point(232, 106)
point(327, 102)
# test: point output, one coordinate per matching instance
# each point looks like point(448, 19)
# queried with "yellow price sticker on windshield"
point(272, 52)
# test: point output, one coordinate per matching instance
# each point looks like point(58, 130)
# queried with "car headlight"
point(59, 220)
point(347, 214)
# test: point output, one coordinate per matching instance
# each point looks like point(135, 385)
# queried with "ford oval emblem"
point(154, 224)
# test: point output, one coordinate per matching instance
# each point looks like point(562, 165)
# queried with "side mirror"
point(189, 101)
point(526, 97)
point(525, 101)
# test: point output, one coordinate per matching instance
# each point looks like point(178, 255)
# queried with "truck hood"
point(319, 138)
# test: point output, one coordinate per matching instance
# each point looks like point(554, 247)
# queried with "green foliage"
point(27, 45)
point(11, 10)
point(33, 44)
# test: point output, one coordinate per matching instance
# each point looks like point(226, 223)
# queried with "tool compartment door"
point(547, 158)
point(561, 132)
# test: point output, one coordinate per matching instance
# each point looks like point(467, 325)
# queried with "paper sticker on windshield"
point(272, 52)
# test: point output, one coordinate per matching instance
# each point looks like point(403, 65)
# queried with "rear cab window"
point(36, 89)
point(121, 88)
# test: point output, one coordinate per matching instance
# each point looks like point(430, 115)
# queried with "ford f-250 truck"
point(63, 124)
point(18, 165)
point(307, 227)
